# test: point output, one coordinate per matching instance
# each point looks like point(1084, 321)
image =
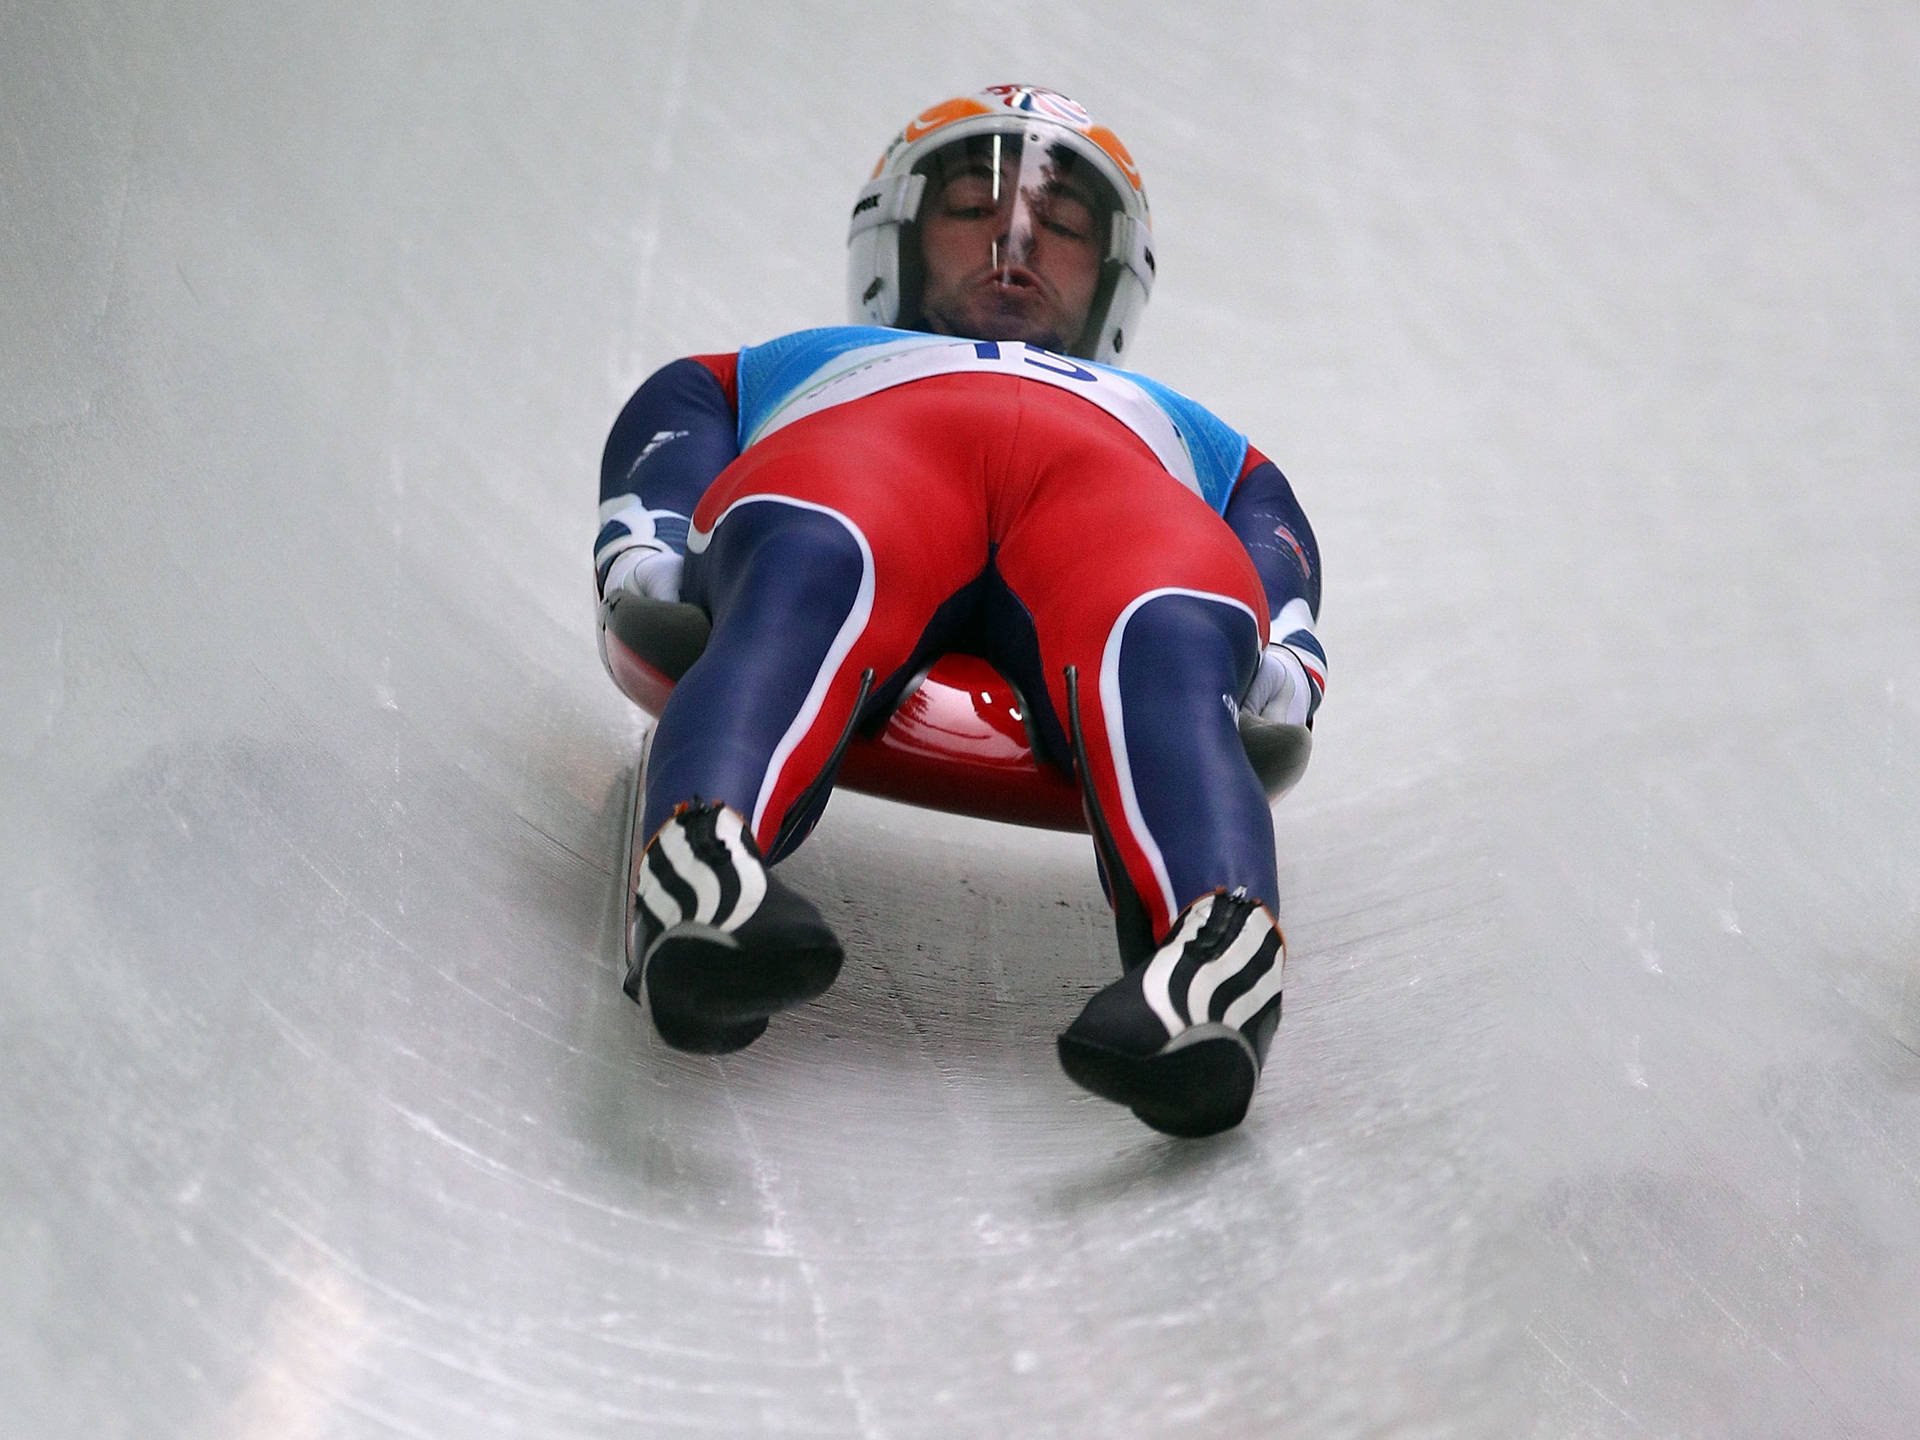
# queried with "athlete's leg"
point(1165, 714)
point(822, 554)
point(1146, 595)
point(1150, 619)
point(789, 586)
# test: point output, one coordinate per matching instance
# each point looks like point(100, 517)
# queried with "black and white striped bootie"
point(724, 944)
point(1180, 1039)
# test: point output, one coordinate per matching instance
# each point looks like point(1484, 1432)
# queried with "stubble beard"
point(989, 314)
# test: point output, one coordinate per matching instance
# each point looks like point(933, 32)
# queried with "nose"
point(1013, 240)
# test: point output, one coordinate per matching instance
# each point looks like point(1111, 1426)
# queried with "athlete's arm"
point(675, 434)
point(1269, 522)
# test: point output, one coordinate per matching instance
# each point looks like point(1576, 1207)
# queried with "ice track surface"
point(1589, 341)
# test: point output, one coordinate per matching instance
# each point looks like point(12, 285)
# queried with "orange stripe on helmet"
point(945, 113)
point(1110, 142)
point(926, 122)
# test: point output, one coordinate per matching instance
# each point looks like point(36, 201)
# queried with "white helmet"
point(884, 270)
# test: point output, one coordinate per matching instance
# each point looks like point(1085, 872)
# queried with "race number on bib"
point(871, 369)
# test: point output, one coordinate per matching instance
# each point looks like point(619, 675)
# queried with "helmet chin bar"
point(1125, 282)
point(883, 207)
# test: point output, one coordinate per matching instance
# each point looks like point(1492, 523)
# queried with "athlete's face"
point(1010, 255)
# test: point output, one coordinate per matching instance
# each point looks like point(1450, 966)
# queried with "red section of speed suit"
point(1082, 518)
point(726, 369)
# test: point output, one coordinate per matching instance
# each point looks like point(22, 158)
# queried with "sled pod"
point(957, 741)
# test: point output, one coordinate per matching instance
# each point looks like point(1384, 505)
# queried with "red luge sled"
point(957, 741)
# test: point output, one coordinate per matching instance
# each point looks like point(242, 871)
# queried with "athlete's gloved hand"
point(1287, 687)
point(647, 567)
point(635, 553)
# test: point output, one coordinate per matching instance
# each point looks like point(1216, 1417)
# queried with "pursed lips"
point(1014, 277)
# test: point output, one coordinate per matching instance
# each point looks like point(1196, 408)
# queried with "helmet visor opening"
point(1010, 242)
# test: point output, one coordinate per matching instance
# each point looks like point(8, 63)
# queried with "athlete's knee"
point(785, 555)
point(1178, 637)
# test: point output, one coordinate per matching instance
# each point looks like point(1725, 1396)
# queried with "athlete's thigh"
point(822, 553)
point(900, 471)
point(1102, 526)
point(1146, 595)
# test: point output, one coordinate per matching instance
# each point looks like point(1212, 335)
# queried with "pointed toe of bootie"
point(726, 944)
point(1180, 1040)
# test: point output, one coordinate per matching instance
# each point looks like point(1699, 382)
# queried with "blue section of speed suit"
point(1218, 450)
point(673, 437)
point(1184, 662)
point(1274, 531)
point(779, 581)
point(771, 373)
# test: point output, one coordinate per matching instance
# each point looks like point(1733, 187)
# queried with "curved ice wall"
point(1589, 343)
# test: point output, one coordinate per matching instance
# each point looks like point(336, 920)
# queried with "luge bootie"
point(1180, 1039)
point(724, 944)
